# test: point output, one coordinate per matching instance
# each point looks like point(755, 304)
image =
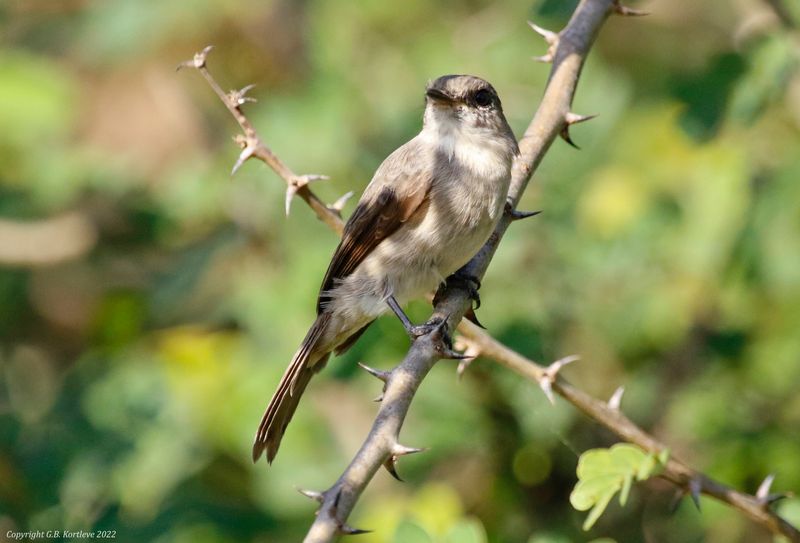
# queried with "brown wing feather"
point(375, 219)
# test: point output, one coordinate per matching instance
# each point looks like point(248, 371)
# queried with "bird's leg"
point(417, 330)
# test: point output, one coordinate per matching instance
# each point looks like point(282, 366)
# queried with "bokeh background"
point(149, 303)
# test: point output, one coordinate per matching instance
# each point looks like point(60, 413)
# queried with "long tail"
point(294, 381)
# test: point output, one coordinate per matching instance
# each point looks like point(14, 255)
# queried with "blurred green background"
point(149, 303)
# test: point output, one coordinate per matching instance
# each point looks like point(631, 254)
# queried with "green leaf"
point(598, 509)
point(604, 472)
point(626, 490)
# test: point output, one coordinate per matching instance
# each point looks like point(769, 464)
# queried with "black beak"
point(438, 95)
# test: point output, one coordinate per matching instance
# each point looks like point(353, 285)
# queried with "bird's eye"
point(483, 98)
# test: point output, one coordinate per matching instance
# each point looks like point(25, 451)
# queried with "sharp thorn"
point(551, 373)
point(565, 136)
point(303, 180)
point(239, 97)
point(544, 59)
point(402, 450)
point(546, 384)
point(246, 154)
point(473, 318)
point(764, 487)
point(378, 399)
point(767, 498)
point(379, 374)
point(616, 399)
point(199, 59)
point(344, 529)
point(519, 215)
point(391, 467)
point(556, 366)
point(549, 36)
point(291, 190)
point(625, 11)
point(695, 487)
point(338, 205)
point(311, 494)
point(574, 118)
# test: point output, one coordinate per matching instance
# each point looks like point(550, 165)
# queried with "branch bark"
point(568, 51)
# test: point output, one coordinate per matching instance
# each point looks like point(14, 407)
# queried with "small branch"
point(253, 147)
point(691, 481)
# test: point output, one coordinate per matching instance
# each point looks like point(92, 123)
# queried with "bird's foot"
point(436, 324)
point(462, 280)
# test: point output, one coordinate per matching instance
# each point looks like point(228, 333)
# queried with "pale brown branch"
point(254, 147)
point(676, 471)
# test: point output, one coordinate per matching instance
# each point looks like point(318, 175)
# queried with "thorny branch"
point(608, 414)
point(567, 50)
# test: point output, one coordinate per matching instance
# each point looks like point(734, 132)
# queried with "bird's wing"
point(396, 193)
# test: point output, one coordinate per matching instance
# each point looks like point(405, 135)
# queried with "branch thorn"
point(239, 97)
point(565, 136)
point(247, 153)
point(338, 205)
point(574, 118)
point(552, 41)
point(402, 450)
point(391, 467)
point(198, 61)
point(616, 399)
point(625, 11)
point(695, 487)
point(344, 529)
point(765, 497)
point(551, 373)
point(549, 36)
point(297, 183)
point(519, 215)
point(378, 374)
point(311, 494)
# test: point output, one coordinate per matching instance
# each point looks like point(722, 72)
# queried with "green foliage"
point(604, 472)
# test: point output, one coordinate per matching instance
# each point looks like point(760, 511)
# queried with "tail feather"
point(284, 402)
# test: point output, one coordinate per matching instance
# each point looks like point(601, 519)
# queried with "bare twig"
point(567, 51)
point(253, 147)
point(693, 482)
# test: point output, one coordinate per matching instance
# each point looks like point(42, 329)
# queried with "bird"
point(430, 206)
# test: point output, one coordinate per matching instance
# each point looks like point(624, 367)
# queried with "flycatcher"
point(430, 207)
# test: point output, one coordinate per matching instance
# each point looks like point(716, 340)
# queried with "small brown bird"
point(429, 208)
